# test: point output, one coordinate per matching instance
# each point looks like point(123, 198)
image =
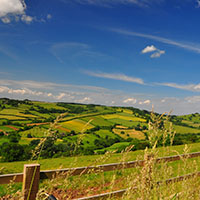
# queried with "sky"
point(138, 53)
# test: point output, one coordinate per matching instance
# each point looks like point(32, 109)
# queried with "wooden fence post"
point(31, 178)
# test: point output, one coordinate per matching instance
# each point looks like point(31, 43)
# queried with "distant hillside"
point(82, 129)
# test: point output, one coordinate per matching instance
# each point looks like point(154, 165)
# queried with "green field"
point(129, 133)
point(97, 121)
point(77, 125)
point(80, 161)
point(6, 129)
point(37, 131)
point(183, 129)
point(12, 117)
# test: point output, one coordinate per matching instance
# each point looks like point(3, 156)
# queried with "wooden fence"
point(32, 175)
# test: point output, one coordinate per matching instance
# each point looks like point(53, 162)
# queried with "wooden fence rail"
point(49, 174)
point(120, 193)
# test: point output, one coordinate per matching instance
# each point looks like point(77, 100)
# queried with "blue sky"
point(114, 52)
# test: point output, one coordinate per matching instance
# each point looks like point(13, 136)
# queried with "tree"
point(14, 137)
point(12, 152)
point(29, 135)
point(34, 143)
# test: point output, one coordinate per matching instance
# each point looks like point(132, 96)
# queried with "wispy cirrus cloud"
point(120, 77)
point(73, 50)
point(183, 45)
point(111, 3)
point(7, 52)
point(189, 87)
point(49, 86)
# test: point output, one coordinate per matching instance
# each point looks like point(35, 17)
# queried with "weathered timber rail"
point(34, 171)
point(120, 193)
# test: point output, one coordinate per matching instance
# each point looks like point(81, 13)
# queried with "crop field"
point(48, 105)
point(181, 129)
point(117, 146)
point(129, 133)
point(104, 133)
point(10, 117)
point(6, 129)
point(60, 128)
point(40, 115)
point(191, 117)
point(190, 123)
point(10, 111)
point(123, 122)
point(15, 112)
point(22, 121)
point(77, 125)
point(121, 127)
point(97, 121)
point(36, 132)
point(124, 117)
point(131, 117)
point(89, 139)
point(26, 141)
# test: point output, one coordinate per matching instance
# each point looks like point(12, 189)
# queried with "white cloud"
point(11, 10)
point(27, 19)
point(60, 96)
point(147, 102)
point(157, 54)
point(3, 89)
point(16, 7)
point(120, 77)
point(130, 100)
point(49, 94)
point(149, 49)
point(49, 16)
point(5, 20)
point(198, 3)
point(84, 100)
point(163, 101)
point(187, 46)
point(193, 99)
